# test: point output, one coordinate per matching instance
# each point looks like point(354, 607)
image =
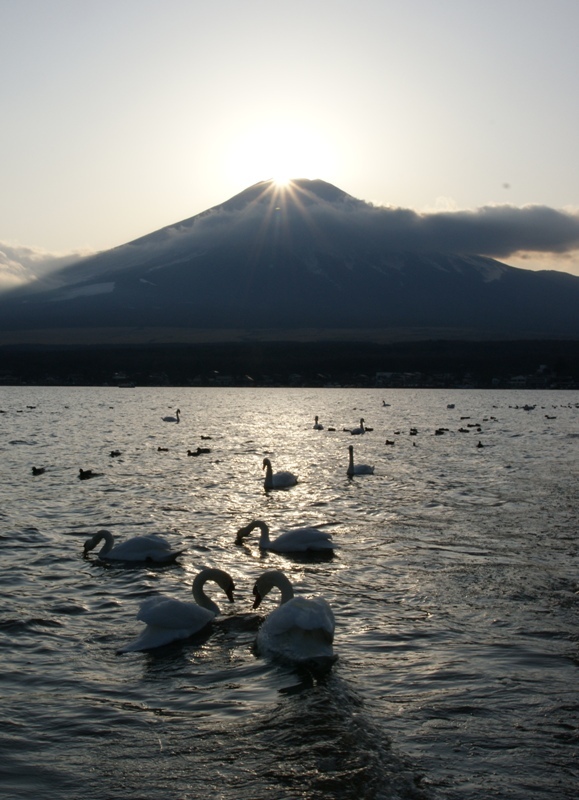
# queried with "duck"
point(300, 630)
point(199, 451)
point(176, 418)
point(147, 549)
point(357, 469)
point(277, 480)
point(318, 425)
point(298, 540)
point(115, 453)
point(86, 474)
point(170, 620)
point(38, 470)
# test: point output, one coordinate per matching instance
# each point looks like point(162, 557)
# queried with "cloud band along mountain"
point(310, 256)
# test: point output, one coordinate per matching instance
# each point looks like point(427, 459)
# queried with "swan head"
point(228, 587)
point(220, 577)
point(267, 581)
point(266, 463)
point(91, 543)
point(245, 531)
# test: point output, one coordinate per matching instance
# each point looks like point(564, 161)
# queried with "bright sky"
point(122, 116)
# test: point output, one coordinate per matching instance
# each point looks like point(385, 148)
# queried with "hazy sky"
point(122, 116)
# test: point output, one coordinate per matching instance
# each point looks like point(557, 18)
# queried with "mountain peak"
point(304, 190)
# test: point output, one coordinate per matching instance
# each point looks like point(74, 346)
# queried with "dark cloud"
point(495, 231)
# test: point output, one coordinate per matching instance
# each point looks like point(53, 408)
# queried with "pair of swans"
point(151, 548)
point(299, 631)
point(298, 540)
point(277, 480)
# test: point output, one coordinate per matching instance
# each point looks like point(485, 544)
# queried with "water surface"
point(455, 591)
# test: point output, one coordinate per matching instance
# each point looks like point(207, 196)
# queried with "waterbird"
point(318, 425)
point(176, 418)
point(148, 548)
point(38, 470)
point(357, 469)
point(86, 474)
point(169, 620)
point(298, 540)
point(300, 630)
point(277, 480)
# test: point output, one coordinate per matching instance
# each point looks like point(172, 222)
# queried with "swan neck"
point(351, 463)
point(268, 473)
point(108, 539)
point(279, 580)
point(264, 538)
point(198, 591)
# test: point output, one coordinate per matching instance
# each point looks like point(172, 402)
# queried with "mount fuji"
point(306, 257)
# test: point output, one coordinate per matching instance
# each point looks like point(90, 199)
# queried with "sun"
point(280, 151)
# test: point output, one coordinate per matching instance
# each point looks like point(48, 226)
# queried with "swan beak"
point(257, 597)
point(241, 533)
point(229, 592)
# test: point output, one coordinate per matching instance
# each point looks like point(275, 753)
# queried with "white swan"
point(300, 630)
point(357, 469)
point(360, 430)
point(318, 425)
point(299, 540)
point(169, 620)
point(140, 548)
point(277, 480)
point(173, 419)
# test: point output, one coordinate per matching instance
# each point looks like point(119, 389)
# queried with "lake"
point(455, 587)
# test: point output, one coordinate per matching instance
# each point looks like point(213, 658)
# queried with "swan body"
point(140, 548)
point(299, 540)
point(176, 418)
point(357, 469)
point(277, 480)
point(169, 620)
point(300, 630)
point(318, 425)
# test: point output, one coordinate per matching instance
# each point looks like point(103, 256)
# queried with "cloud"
point(20, 265)
point(532, 236)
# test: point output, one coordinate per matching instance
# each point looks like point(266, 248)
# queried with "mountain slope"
point(310, 256)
